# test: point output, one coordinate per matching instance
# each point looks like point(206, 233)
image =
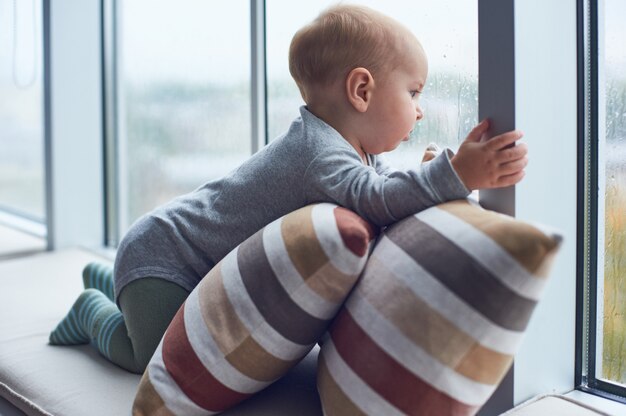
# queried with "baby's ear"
point(359, 86)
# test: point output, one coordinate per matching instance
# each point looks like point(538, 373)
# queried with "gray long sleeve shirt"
point(183, 239)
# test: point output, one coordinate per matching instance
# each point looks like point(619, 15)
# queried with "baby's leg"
point(126, 338)
point(87, 315)
point(99, 276)
point(148, 305)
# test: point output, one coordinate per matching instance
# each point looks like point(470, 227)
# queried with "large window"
point(605, 251)
point(21, 109)
point(182, 114)
point(183, 99)
point(448, 31)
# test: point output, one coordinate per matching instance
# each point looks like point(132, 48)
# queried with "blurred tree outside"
point(614, 342)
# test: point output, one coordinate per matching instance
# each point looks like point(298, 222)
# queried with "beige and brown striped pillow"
point(433, 325)
point(257, 313)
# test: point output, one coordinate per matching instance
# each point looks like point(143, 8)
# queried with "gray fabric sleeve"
point(338, 175)
point(382, 166)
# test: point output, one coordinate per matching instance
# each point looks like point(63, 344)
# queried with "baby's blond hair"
point(342, 38)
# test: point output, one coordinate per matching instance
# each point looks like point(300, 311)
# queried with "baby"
point(360, 74)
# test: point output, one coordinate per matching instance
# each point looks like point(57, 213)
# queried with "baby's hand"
point(431, 152)
point(490, 164)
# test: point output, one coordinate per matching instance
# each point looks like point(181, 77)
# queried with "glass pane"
point(184, 98)
point(21, 109)
point(614, 328)
point(450, 98)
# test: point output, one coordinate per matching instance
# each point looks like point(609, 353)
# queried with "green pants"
point(148, 306)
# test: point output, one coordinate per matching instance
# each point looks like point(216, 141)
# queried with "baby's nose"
point(419, 114)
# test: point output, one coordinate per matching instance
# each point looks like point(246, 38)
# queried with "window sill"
point(17, 243)
point(609, 406)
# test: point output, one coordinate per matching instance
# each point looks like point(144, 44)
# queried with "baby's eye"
point(414, 93)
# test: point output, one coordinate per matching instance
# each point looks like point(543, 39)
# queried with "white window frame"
point(74, 124)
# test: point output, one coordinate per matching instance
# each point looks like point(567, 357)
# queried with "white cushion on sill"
point(35, 294)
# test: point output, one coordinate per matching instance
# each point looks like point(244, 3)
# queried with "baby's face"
point(395, 103)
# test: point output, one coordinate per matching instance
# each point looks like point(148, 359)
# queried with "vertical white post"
point(546, 110)
point(74, 181)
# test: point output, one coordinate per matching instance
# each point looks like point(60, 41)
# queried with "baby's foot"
point(75, 327)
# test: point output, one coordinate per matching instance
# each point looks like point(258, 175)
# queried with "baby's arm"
point(490, 163)
point(382, 166)
point(337, 175)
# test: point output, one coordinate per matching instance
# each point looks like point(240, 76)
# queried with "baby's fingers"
point(515, 166)
point(509, 154)
point(509, 180)
point(428, 156)
point(503, 140)
point(477, 132)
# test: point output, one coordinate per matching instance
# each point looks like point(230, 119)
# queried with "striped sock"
point(99, 276)
point(93, 317)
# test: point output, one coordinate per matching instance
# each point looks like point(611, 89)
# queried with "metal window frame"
point(110, 59)
point(258, 73)
point(496, 100)
point(47, 125)
point(496, 84)
point(591, 114)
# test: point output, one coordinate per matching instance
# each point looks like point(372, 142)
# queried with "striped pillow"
point(256, 313)
point(432, 326)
